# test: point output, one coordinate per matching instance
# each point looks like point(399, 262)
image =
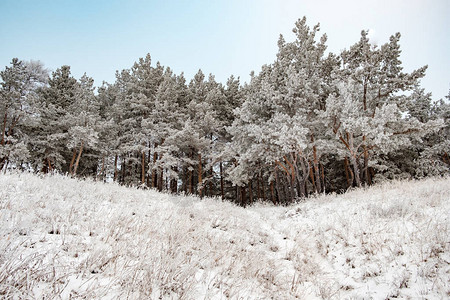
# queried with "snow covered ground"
point(62, 238)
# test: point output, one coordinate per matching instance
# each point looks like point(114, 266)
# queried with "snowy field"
point(68, 239)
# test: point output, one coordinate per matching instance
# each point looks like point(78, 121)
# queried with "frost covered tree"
point(128, 116)
point(225, 101)
point(50, 135)
point(366, 113)
point(203, 123)
point(430, 155)
point(114, 98)
point(441, 144)
point(309, 122)
point(277, 125)
point(304, 72)
point(136, 89)
point(163, 121)
point(221, 109)
point(249, 146)
point(146, 81)
point(107, 132)
point(84, 119)
point(19, 86)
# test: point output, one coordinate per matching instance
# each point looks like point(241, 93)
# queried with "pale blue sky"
point(222, 37)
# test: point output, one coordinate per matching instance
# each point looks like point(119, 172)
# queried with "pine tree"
point(306, 123)
point(281, 113)
point(203, 121)
point(107, 132)
point(84, 119)
point(224, 100)
point(136, 89)
point(50, 135)
point(164, 120)
point(365, 114)
point(434, 147)
point(19, 86)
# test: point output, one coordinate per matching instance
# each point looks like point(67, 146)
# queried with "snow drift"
point(66, 238)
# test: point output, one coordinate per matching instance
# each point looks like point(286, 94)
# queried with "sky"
point(222, 37)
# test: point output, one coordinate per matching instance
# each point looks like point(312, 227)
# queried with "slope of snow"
point(62, 238)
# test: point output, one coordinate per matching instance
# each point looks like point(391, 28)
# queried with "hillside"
point(82, 239)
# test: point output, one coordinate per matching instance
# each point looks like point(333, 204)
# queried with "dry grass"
point(63, 238)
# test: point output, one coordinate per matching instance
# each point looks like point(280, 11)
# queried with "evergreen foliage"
point(310, 122)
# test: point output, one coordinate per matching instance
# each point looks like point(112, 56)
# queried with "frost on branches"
point(310, 122)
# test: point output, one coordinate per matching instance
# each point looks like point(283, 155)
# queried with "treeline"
point(310, 122)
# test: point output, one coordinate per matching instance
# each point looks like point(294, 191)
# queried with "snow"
point(68, 238)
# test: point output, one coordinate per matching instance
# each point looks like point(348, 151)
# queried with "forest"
point(309, 122)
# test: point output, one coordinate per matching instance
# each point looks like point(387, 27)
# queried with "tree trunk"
point(123, 167)
point(74, 155)
point(50, 168)
point(238, 195)
point(292, 188)
point(300, 187)
point(263, 188)
point(258, 187)
point(6, 166)
point(347, 176)
point(4, 127)
point(222, 193)
point(4, 160)
point(184, 183)
point(75, 168)
point(143, 168)
point(211, 182)
point(352, 176)
point(167, 182)
point(115, 167)
point(366, 154)
point(129, 166)
point(190, 181)
point(323, 178)
point(304, 178)
point(250, 191)
point(372, 173)
point(243, 197)
point(366, 163)
point(311, 175)
point(365, 95)
point(103, 166)
point(272, 195)
point(154, 172)
point(149, 157)
point(356, 170)
point(316, 167)
point(288, 189)
point(277, 187)
point(200, 171)
point(353, 160)
point(293, 175)
point(161, 179)
point(174, 183)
